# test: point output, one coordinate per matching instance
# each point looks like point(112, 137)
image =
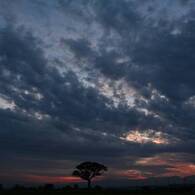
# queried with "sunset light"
point(97, 94)
point(148, 136)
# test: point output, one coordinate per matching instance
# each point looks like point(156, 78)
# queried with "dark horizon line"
point(109, 182)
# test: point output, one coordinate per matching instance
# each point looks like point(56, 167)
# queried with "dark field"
point(100, 192)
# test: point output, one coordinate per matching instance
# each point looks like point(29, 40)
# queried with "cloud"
point(173, 164)
point(85, 74)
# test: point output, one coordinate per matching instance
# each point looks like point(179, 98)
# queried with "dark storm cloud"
point(159, 58)
point(170, 59)
point(120, 16)
point(57, 116)
point(80, 47)
point(67, 103)
point(63, 96)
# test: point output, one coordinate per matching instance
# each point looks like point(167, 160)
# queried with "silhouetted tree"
point(88, 170)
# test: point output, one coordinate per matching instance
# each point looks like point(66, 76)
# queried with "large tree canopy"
point(88, 170)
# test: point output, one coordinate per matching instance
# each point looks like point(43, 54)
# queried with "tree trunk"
point(89, 183)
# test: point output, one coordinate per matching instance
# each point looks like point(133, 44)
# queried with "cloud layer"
point(96, 80)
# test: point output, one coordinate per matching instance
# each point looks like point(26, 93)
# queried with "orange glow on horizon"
point(181, 170)
point(52, 179)
point(174, 166)
point(131, 174)
point(55, 179)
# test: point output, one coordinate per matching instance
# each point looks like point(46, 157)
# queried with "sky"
point(96, 80)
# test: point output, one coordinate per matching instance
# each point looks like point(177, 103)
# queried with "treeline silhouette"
point(88, 171)
point(75, 189)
